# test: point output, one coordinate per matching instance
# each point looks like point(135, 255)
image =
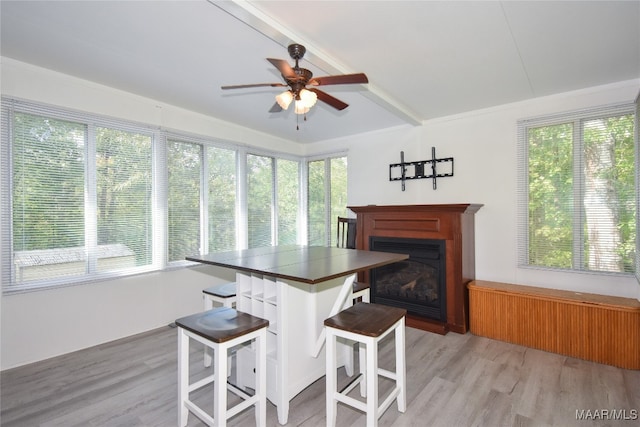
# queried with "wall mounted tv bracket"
point(421, 169)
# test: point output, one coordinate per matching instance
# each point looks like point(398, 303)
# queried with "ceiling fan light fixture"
point(305, 100)
point(284, 99)
point(301, 108)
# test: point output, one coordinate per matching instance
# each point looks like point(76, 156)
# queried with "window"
point(81, 200)
point(184, 163)
point(273, 200)
point(187, 164)
point(221, 200)
point(637, 157)
point(86, 197)
point(327, 198)
point(260, 200)
point(288, 201)
point(577, 192)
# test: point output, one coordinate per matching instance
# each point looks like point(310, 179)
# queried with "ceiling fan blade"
point(275, 108)
point(325, 97)
point(253, 85)
point(284, 68)
point(339, 79)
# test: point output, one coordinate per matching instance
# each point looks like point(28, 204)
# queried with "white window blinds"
point(577, 191)
point(78, 195)
point(327, 198)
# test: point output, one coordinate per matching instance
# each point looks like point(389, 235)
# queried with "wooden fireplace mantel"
point(454, 223)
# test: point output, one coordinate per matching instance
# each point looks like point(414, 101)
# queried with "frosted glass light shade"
point(308, 98)
point(301, 108)
point(284, 99)
point(306, 101)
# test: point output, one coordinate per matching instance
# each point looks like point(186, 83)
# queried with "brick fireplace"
point(450, 226)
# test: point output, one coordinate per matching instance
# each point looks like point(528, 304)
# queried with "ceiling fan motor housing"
point(296, 51)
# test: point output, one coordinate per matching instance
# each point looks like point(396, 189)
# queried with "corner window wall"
point(86, 198)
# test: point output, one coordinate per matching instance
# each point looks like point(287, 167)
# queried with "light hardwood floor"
point(453, 380)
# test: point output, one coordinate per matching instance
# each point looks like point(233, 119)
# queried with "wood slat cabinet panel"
point(592, 327)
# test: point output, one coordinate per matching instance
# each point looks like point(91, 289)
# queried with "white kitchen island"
point(295, 288)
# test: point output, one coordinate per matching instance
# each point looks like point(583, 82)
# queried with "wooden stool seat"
point(371, 320)
point(222, 324)
point(366, 324)
point(224, 291)
point(221, 329)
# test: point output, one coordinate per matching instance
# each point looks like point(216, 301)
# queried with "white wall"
point(484, 147)
point(39, 325)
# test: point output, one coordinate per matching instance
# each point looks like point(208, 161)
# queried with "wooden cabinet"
point(453, 223)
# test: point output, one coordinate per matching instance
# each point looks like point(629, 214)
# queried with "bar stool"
point(360, 290)
point(220, 329)
point(366, 324)
point(225, 295)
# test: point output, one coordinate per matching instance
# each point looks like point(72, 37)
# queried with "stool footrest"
point(352, 384)
point(354, 403)
point(201, 383)
point(389, 400)
point(195, 409)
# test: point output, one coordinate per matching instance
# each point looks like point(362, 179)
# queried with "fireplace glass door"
point(417, 284)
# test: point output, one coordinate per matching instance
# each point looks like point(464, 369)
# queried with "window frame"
point(576, 118)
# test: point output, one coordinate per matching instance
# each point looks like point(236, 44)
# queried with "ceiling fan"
point(297, 79)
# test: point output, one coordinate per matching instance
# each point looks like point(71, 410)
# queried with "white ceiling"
point(424, 59)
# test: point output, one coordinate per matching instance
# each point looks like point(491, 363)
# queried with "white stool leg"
point(208, 305)
point(372, 382)
point(220, 386)
point(183, 377)
point(261, 379)
point(349, 359)
point(331, 385)
point(362, 351)
point(366, 296)
point(401, 369)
